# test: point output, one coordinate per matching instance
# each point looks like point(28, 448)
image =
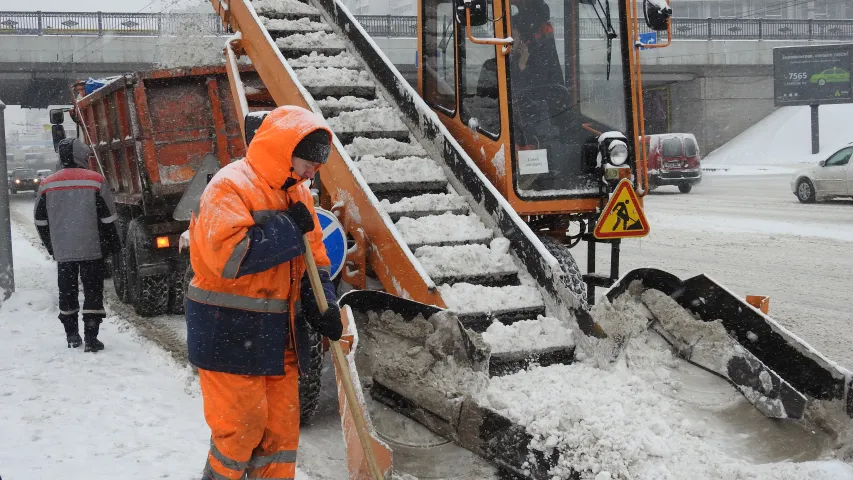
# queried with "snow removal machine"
point(461, 198)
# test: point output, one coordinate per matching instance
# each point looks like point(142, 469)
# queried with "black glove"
point(329, 323)
point(301, 216)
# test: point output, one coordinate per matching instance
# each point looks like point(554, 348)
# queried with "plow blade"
point(775, 370)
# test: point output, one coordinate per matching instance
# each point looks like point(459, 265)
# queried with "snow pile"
point(528, 335)
point(443, 229)
point(784, 138)
point(314, 59)
point(428, 202)
point(464, 260)
point(303, 24)
point(332, 106)
point(383, 147)
point(377, 170)
point(312, 40)
point(465, 298)
point(272, 8)
point(383, 119)
point(332, 77)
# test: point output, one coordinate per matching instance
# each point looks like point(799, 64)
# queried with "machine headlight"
point(618, 152)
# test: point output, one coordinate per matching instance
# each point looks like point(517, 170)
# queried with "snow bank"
point(784, 138)
point(528, 335)
point(270, 8)
point(311, 40)
point(465, 298)
point(301, 25)
point(464, 260)
point(341, 60)
point(404, 170)
point(383, 147)
point(443, 229)
point(383, 119)
point(428, 202)
point(332, 77)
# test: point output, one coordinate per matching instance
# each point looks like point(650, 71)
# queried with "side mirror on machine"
point(821, 163)
point(57, 116)
point(479, 12)
point(657, 14)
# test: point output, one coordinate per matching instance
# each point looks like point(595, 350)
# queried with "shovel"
point(343, 368)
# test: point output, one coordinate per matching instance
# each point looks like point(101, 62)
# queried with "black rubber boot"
point(90, 330)
point(72, 334)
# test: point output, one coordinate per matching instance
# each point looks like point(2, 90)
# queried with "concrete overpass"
point(714, 80)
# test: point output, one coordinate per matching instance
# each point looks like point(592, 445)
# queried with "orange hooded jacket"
point(246, 255)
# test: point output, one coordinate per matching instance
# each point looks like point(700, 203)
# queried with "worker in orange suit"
point(246, 331)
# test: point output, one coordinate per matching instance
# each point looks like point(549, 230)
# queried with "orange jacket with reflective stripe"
point(241, 195)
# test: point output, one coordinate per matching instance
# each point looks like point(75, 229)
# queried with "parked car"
point(830, 178)
point(673, 159)
point(24, 179)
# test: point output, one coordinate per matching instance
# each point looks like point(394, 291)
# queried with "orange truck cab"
point(673, 159)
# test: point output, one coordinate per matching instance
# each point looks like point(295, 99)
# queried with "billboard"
point(813, 75)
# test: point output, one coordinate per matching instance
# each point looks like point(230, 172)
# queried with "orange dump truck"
point(151, 132)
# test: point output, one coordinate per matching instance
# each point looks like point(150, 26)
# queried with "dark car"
point(24, 179)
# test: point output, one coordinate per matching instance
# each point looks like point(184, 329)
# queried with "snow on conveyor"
point(384, 147)
point(528, 335)
point(270, 8)
point(443, 229)
point(465, 298)
point(464, 260)
point(332, 106)
point(428, 202)
point(383, 119)
point(341, 60)
point(301, 25)
point(127, 412)
point(379, 170)
point(332, 77)
point(311, 40)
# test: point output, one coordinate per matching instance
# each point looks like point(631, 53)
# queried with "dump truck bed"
point(150, 131)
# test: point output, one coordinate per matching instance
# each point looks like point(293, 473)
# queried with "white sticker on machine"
point(531, 162)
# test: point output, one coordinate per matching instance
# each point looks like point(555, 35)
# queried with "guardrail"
point(154, 24)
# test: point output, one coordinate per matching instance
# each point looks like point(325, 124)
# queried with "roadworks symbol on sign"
point(622, 217)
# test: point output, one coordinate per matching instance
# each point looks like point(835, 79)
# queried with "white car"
point(830, 178)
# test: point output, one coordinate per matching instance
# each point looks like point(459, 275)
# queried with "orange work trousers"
point(254, 423)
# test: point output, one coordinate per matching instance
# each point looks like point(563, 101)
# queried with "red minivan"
point(673, 159)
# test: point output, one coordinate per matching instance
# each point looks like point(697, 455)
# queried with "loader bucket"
point(770, 347)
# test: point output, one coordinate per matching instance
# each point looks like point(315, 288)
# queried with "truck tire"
point(148, 294)
point(178, 288)
point(119, 263)
point(309, 384)
point(685, 187)
point(574, 277)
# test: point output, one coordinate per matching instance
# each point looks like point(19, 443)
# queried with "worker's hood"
point(270, 152)
point(74, 153)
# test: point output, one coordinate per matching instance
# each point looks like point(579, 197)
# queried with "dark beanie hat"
point(66, 152)
point(314, 147)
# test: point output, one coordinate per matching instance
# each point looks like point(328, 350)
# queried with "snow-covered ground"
point(128, 412)
point(781, 142)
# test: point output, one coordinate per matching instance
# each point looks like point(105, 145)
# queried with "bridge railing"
point(153, 24)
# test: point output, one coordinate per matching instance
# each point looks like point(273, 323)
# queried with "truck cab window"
point(439, 57)
point(479, 85)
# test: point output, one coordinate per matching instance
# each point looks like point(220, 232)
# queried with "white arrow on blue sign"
point(649, 38)
point(334, 238)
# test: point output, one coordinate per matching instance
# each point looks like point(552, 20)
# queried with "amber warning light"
point(162, 242)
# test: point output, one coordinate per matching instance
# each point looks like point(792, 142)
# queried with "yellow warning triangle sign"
point(623, 216)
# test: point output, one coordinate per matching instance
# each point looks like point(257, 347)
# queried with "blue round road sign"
point(334, 238)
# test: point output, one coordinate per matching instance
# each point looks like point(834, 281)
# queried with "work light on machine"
point(617, 152)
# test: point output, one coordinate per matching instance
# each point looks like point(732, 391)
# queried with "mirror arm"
point(506, 42)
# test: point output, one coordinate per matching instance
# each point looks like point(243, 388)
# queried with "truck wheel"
point(685, 187)
point(150, 294)
point(180, 282)
point(309, 384)
point(805, 191)
point(119, 263)
point(574, 277)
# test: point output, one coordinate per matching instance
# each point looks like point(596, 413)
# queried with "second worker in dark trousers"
point(75, 216)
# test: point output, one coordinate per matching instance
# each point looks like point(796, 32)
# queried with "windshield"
point(561, 92)
point(24, 173)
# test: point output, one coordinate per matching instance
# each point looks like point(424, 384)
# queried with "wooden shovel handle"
point(343, 365)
